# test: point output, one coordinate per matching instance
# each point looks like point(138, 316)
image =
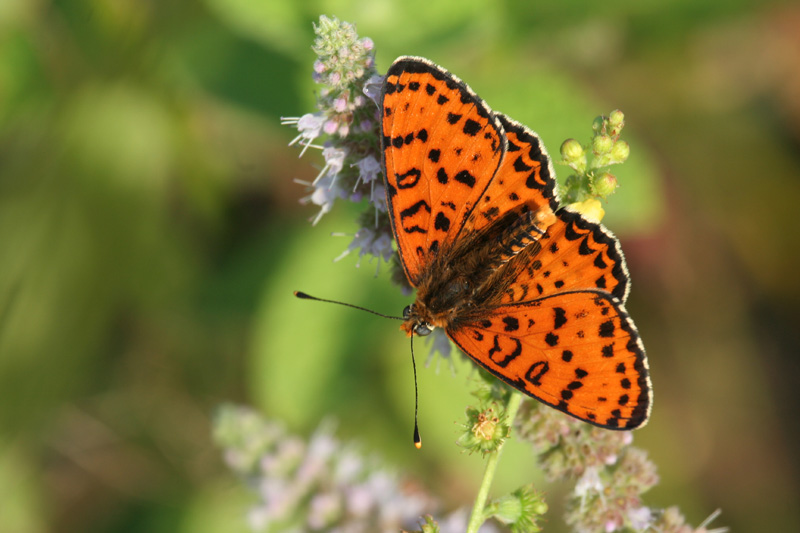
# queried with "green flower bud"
point(604, 184)
point(602, 144)
point(616, 119)
point(572, 151)
point(508, 509)
point(430, 525)
point(599, 124)
point(520, 510)
point(620, 152)
point(574, 155)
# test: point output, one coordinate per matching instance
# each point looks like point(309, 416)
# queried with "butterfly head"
point(415, 323)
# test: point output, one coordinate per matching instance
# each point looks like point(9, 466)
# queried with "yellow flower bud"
point(591, 209)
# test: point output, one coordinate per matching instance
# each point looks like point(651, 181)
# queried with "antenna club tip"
point(418, 445)
point(301, 294)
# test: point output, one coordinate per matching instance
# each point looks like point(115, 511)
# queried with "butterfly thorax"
point(462, 281)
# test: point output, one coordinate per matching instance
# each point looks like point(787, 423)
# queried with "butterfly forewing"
point(441, 147)
point(577, 351)
point(524, 181)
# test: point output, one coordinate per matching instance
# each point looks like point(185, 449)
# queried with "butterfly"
point(532, 292)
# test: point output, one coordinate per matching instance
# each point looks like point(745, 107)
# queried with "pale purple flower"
point(377, 196)
point(340, 104)
point(368, 169)
point(334, 160)
point(331, 127)
point(369, 242)
point(324, 195)
point(588, 483)
point(373, 87)
point(310, 127)
point(329, 487)
point(325, 509)
point(438, 341)
point(640, 518)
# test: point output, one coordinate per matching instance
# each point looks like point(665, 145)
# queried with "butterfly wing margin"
point(578, 352)
point(441, 146)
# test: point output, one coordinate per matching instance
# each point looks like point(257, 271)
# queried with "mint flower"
point(369, 242)
point(310, 127)
point(610, 475)
point(321, 484)
point(348, 119)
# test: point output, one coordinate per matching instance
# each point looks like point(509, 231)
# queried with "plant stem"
point(477, 518)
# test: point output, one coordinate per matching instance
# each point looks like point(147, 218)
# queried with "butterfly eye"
point(422, 329)
point(407, 311)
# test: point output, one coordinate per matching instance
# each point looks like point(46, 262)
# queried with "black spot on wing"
point(466, 178)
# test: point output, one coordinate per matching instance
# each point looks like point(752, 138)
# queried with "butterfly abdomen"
point(526, 230)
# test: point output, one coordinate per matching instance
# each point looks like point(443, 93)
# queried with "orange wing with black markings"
point(524, 182)
point(578, 352)
point(441, 147)
point(574, 254)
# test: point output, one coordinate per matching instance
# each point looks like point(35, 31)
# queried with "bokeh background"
point(151, 237)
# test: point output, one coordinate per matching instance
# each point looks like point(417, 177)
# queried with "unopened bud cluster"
point(520, 510)
point(591, 179)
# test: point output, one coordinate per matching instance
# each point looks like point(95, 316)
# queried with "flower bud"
point(591, 209)
point(574, 155)
point(571, 150)
point(604, 184)
point(520, 509)
point(602, 144)
point(430, 525)
point(508, 509)
point(620, 152)
point(616, 120)
point(598, 125)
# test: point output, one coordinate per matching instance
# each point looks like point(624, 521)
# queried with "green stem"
point(477, 518)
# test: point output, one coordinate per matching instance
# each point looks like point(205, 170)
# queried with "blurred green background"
point(151, 237)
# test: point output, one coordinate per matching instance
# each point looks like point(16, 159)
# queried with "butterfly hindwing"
point(576, 351)
point(441, 147)
point(574, 254)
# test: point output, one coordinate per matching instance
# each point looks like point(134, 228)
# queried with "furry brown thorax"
point(471, 273)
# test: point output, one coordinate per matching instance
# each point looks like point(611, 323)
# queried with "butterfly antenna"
point(417, 439)
point(305, 296)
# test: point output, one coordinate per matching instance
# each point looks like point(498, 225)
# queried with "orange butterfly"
point(533, 293)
